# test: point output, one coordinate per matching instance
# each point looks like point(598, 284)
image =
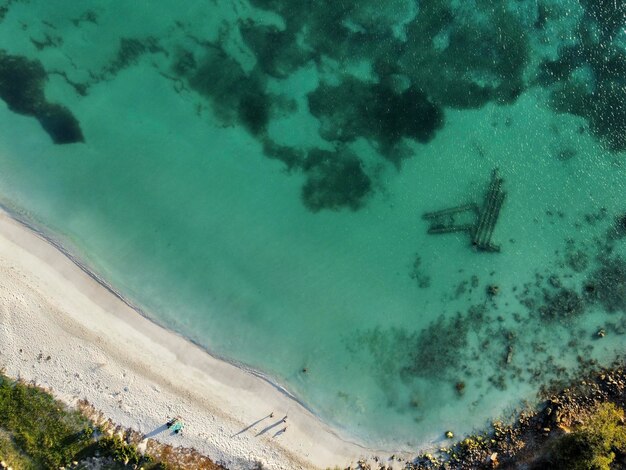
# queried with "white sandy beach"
point(136, 372)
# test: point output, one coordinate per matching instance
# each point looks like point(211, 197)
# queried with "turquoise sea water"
point(254, 175)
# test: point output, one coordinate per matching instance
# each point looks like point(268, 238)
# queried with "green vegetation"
point(39, 432)
point(11, 455)
point(593, 445)
point(39, 427)
point(120, 451)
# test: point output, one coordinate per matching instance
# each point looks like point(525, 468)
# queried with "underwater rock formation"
point(424, 56)
point(465, 60)
point(607, 285)
point(130, 50)
point(334, 180)
point(276, 51)
point(562, 306)
point(438, 349)
point(236, 96)
point(60, 124)
point(375, 111)
point(22, 84)
point(588, 79)
point(321, 26)
point(618, 230)
point(292, 157)
point(222, 80)
point(609, 16)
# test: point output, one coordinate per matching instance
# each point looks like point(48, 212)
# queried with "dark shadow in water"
point(251, 425)
point(156, 431)
point(269, 427)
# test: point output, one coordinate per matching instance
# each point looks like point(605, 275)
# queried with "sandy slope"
point(138, 373)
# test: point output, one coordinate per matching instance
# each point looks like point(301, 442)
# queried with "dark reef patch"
point(22, 83)
point(465, 64)
point(130, 50)
point(458, 349)
point(277, 52)
point(184, 62)
point(562, 306)
point(60, 124)
point(417, 273)
point(334, 180)
point(607, 284)
point(488, 346)
point(236, 96)
point(438, 349)
point(608, 15)
point(437, 352)
point(88, 16)
point(618, 230)
point(588, 79)
point(322, 28)
point(555, 298)
point(292, 157)
point(460, 60)
point(422, 60)
point(253, 112)
point(355, 109)
point(47, 41)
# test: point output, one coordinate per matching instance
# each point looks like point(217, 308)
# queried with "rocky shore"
point(530, 442)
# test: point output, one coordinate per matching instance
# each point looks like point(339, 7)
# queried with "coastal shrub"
point(11, 455)
point(40, 426)
point(39, 432)
point(591, 446)
point(119, 450)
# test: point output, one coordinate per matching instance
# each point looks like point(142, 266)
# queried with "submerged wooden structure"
point(479, 223)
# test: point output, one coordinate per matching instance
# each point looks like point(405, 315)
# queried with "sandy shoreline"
point(63, 329)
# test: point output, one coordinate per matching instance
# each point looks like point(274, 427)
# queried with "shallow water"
point(254, 176)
